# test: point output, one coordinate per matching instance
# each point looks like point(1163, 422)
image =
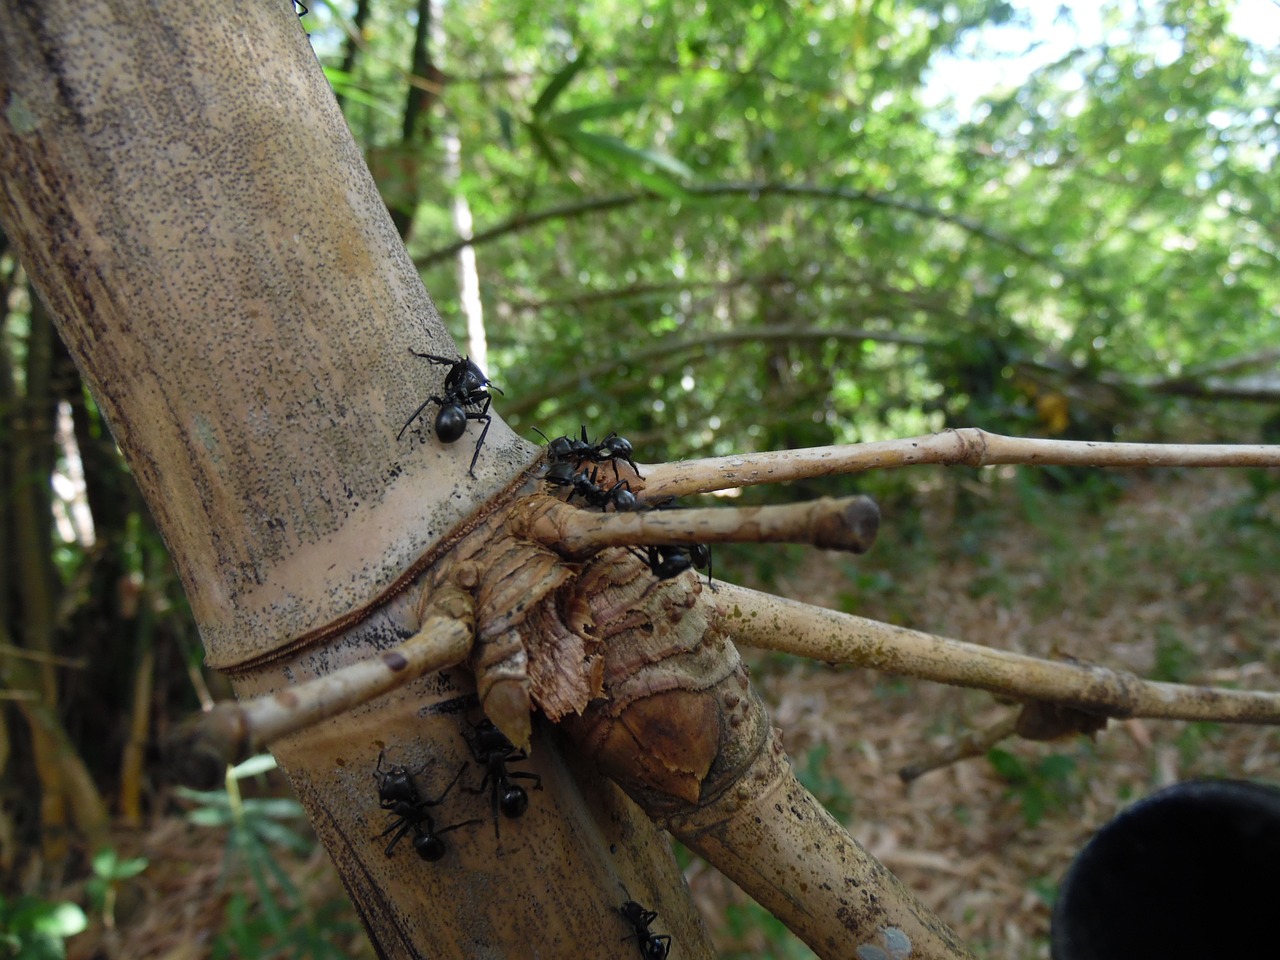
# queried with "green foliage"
point(670, 190)
point(766, 935)
point(276, 922)
point(1046, 785)
point(35, 929)
point(814, 773)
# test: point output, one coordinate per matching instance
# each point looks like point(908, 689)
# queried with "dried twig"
point(848, 523)
point(972, 743)
point(234, 730)
point(763, 620)
point(968, 447)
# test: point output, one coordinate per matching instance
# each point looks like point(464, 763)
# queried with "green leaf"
point(594, 111)
point(505, 128)
point(634, 162)
point(556, 85)
point(345, 86)
point(259, 763)
point(108, 865)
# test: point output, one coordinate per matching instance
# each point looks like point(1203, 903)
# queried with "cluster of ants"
point(410, 811)
point(398, 794)
point(572, 462)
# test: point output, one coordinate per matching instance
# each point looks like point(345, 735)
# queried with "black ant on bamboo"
point(653, 946)
point(493, 751)
point(466, 397)
point(579, 450)
point(619, 495)
point(398, 795)
point(670, 560)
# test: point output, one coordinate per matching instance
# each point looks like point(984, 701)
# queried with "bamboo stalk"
point(844, 903)
point(970, 447)
point(773, 623)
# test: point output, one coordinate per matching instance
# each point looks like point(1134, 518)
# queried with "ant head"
point(486, 740)
point(632, 912)
point(451, 423)
point(560, 474)
point(619, 447)
point(514, 801)
point(623, 498)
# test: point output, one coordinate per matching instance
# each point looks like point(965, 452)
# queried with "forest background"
point(720, 227)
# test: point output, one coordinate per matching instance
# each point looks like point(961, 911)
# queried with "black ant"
point(566, 449)
point(576, 450)
point(562, 474)
point(493, 751)
point(669, 560)
point(465, 386)
point(653, 946)
point(398, 795)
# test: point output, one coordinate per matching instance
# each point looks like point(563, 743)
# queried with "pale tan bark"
point(189, 202)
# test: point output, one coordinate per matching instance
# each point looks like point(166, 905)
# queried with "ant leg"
point(422, 406)
point(440, 799)
point(520, 775)
point(404, 824)
point(479, 442)
point(432, 357)
point(464, 823)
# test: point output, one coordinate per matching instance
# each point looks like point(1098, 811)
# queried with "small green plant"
point(35, 929)
point(277, 922)
point(1175, 661)
point(109, 872)
point(1040, 787)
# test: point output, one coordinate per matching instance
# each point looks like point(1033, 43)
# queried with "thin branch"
point(40, 656)
point(712, 191)
point(234, 730)
point(970, 447)
point(972, 743)
point(665, 349)
point(849, 523)
point(773, 623)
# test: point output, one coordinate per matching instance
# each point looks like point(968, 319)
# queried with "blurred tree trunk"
point(188, 201)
